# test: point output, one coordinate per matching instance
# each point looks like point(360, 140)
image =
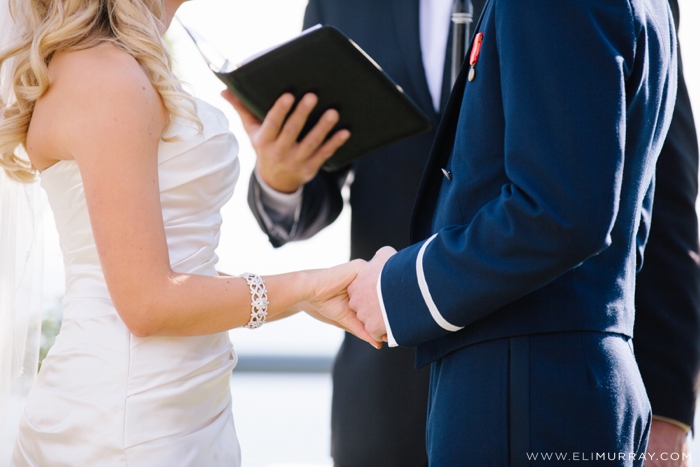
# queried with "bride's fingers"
point(354, 267)
point(335, 280)
point(355, 326)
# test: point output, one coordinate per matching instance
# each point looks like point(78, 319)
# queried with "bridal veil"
point(21, 268)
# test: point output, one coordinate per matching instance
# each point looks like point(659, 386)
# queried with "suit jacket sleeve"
point(321, 198)
point(321, 203)
point(667, 323)
point(540, 226)
point(313, 14)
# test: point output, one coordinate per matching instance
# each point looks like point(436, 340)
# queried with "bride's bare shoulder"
point(90, 89)
point(97, 69)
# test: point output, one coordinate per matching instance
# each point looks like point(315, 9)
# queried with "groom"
point(535, 206)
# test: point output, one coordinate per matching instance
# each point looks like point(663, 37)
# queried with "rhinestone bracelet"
point(258, 300)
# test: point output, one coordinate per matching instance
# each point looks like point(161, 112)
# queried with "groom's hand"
point(283, 163)
point(363, 294)
point(668, 445)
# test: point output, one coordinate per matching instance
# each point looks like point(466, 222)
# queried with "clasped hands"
point(349, 298)
point(346, 295)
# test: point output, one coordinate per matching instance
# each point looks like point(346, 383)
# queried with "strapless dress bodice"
point(197, 175)
point(111, 397)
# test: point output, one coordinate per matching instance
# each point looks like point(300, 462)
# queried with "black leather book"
point(326, 62)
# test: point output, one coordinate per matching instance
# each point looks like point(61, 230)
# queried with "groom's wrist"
point(390, 336)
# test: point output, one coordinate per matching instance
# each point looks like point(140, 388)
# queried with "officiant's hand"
point(668, 445)
point(283, 163)
point(363, 294)
point(331, 299)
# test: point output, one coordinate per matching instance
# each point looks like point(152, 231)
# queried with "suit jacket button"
point(447, 174)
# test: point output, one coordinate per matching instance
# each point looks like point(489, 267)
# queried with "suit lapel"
point(421, 220)
point(407, 27)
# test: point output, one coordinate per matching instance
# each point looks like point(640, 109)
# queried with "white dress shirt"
point(434, 31)
point(280, 211)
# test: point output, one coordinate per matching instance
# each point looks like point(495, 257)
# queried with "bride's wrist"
point(317, 279)
point(307, 284)
point(289, 289)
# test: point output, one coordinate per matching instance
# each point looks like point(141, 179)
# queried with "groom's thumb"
point(384, 253)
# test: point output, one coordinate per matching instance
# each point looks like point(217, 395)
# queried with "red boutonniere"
point(474, 56)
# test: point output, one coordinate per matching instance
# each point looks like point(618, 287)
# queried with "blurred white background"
point(282, 419)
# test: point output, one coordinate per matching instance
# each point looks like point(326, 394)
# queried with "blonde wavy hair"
point(50, 26)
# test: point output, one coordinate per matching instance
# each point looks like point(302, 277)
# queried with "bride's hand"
point(331, 299)
point(310, 310)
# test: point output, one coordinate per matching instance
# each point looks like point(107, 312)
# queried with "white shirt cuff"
point(278, 211)
point(389, 335)
point(283, 204)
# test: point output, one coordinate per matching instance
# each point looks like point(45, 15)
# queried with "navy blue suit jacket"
point(667, 321)
point(551, 151)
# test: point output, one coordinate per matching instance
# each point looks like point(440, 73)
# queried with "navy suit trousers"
point(519, 401)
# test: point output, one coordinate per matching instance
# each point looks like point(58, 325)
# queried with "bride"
point(136, 172)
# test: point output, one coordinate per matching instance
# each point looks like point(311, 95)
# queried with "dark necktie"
point(462, 18)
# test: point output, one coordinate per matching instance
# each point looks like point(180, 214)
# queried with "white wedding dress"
point(104, 397)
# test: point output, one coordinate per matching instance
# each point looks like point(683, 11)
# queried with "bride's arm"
point(309, 309)
point(111, 123)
